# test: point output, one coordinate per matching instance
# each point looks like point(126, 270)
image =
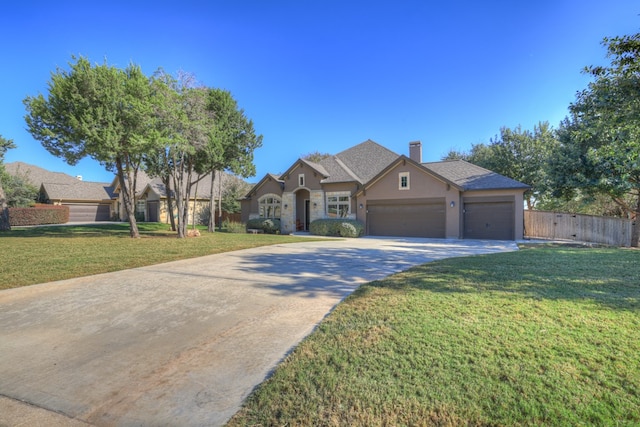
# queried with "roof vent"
point(79, 177)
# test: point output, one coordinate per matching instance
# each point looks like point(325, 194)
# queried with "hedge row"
point(267, 225)
point(38, 215)
point(337, 227)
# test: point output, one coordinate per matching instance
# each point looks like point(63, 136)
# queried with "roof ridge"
point(346, 169)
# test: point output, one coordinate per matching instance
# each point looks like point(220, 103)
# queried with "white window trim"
point(277, 206)
point(301, 180)
point(346, 203)
point(403, 175)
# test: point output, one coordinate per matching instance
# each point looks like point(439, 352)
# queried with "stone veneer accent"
point(287, 216)
point(317, 205)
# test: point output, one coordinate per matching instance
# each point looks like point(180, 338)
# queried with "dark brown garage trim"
point(490, 218)
point(407, 218)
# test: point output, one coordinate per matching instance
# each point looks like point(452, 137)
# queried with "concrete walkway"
point(181, 343)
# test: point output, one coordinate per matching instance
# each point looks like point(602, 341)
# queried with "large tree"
point(600, 141)
point(98, 111)
point(182, 127)
point(519, 154)
point(5, 144)
point(232, 141)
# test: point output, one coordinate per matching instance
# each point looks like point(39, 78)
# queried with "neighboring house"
point(151, 197)
point(393, 195)
point(101, 201)
point(87, 201)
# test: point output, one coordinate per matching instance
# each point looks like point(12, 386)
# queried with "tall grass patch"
point(542, 336)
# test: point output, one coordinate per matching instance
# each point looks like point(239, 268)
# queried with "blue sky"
point(325, 75)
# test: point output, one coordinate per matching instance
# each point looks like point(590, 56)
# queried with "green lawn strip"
point(44, 254)
point(542, 336)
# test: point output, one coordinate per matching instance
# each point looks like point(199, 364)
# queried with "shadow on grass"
point(90, 230)
point(608, 277)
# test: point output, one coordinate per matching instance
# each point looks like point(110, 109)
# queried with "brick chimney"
point(415, 151)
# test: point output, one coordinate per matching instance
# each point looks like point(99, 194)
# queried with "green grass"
point(43, 254)
point(542, 336)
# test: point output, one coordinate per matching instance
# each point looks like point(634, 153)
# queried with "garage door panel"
point(489, 220)
point(407, 220)
point(89, 212)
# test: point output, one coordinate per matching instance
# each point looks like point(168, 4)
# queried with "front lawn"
point(43, 254)
point(543, 336)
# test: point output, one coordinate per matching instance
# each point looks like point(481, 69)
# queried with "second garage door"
point(489, 220)
point(406, 218)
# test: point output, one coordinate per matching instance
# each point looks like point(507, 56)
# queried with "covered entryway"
point(407, 218)
point(489, 218)
point(88, 212)
point(302, 210)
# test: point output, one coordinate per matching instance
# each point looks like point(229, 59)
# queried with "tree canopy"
point(516, 153)
point(599, 150)
point(98, 111)
point(172, 127)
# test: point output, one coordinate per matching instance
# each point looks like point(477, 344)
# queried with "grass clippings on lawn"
point(542, 336)
point(44, 254)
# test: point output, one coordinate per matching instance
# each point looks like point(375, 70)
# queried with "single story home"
point(151, 197)
point(101, 201)
point(393, 195)
point(87, 201)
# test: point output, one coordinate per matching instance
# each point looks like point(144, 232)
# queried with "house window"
point(141, 206)
point(338, 206)
point(403, 181)
point(301, 180)
point(269, 206)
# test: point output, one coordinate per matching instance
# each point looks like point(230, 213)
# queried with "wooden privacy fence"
point(583, 228)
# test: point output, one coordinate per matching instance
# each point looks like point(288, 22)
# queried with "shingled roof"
point(60, 186)
point(79, 190)
point(359, 163)
point(471, 177)
point(36, 175)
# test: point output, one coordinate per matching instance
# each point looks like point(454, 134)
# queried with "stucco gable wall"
point(421, 186)
point(311, 178)
point(271, 186)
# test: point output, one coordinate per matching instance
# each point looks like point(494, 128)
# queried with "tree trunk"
point(128, 198)
point(180, 204)
point(195, 200)
point(167, 186)
point(4, 211)
point(220, 202)
point(635, 231)
point(212, 205)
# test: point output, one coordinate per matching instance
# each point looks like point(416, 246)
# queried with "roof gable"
point(360, 163)
point(267, 178)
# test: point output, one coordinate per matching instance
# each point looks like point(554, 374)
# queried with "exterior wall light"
point(452, 204)
point(361, 206)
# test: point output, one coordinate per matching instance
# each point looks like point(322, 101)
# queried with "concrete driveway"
point(182, 343)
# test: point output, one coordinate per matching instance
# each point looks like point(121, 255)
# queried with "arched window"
point(269, 206)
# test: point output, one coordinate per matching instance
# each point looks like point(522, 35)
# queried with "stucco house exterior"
point(151, 197)
point(393, 195)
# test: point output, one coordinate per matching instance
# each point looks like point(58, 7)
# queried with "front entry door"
point(306, 215)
